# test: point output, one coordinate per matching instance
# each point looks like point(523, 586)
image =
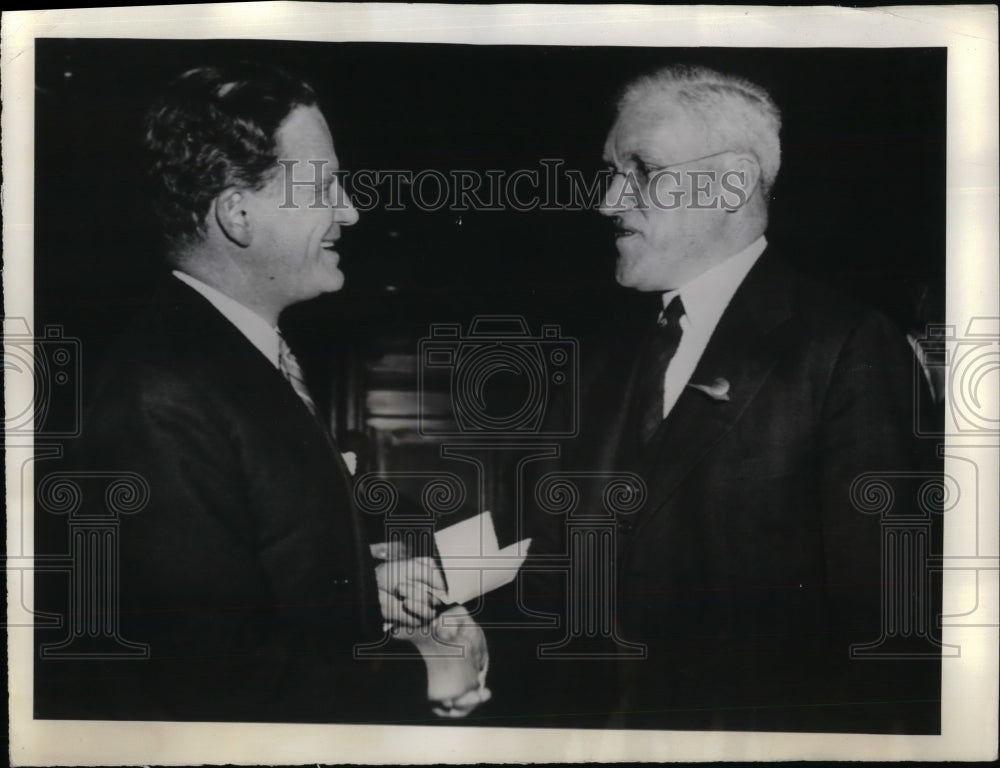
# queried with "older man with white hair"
point(749, 406)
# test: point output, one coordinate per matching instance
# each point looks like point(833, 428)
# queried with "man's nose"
point(344, 212)
point(611, 202)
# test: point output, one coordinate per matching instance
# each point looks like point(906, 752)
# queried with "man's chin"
point(335, 284)
point(638, 274)
point(323, 285)
point(330, 281)
point(626, 274)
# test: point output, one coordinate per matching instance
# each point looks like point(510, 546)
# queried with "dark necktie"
point(662, 348)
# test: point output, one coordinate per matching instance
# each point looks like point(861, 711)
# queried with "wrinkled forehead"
point(656, 129)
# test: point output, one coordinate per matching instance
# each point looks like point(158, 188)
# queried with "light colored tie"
point(291, 370)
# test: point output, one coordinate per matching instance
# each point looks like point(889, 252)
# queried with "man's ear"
point(232, 217)
point(740, 181)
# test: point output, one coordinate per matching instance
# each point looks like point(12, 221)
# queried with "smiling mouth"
point(328, 245)
point(621, 232)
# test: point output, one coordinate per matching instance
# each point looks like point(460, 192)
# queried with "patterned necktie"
point(291, 370)
point(662, 349)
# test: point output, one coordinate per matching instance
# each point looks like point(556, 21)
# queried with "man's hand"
point(457, 659)
point(409, 591)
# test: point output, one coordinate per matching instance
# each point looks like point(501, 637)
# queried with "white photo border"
point(969, 706)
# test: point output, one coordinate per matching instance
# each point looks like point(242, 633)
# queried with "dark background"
point(859, 199)
point(859, 202)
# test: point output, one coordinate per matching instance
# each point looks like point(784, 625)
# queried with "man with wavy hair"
point(247, 574)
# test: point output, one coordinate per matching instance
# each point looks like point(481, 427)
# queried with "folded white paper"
point(472, 560)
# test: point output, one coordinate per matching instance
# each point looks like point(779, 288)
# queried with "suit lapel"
point(742, 350)
point(182, 304)
point(613, 433)
point(607, 430)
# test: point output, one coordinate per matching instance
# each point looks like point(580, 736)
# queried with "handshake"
point(413, 596)
point(422, 603)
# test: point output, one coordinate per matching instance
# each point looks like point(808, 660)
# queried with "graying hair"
point(734, 113)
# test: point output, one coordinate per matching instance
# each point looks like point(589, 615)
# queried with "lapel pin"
point(717, 390)
point(351, 460)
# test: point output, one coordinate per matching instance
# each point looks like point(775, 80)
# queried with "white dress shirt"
point(705, 298)
point(261, 334)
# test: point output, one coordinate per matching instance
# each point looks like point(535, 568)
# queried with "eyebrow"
point(635, 158)
point(646, 156)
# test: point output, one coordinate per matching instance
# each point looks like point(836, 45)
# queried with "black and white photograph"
point(412, 384)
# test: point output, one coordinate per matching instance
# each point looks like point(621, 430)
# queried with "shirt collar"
point(707, 295)
point(258, 331)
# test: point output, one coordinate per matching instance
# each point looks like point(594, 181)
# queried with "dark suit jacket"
point(246, 573)
point(748, 572)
